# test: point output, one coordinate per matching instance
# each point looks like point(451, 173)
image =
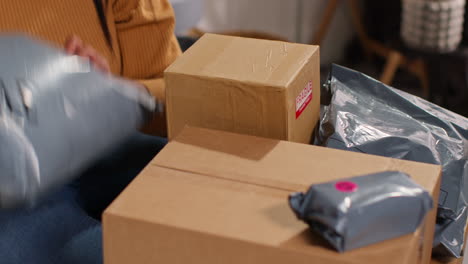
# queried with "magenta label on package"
point(346, 186)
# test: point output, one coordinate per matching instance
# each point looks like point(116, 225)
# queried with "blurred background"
point(419, 46)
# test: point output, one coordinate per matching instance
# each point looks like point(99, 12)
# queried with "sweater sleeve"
point(145, 32)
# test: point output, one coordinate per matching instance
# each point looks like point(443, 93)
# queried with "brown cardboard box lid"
point(273, 63)
point(278, 164)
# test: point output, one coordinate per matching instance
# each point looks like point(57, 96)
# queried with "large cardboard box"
point(249, 86)
point(214, 197)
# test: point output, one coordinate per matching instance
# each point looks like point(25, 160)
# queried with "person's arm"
point(145, 33)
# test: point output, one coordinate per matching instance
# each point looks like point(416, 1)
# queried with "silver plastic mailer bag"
point(363, 115)
point(360, 211)
point(57, 115)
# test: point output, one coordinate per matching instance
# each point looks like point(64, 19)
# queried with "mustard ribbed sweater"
point(140, 42)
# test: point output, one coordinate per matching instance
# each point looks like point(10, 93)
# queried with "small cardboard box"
point(215, 197)
point(248, 86)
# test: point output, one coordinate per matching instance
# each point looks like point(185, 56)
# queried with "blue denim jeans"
point(65, 227)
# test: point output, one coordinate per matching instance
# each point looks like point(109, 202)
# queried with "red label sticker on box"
point(303, 99)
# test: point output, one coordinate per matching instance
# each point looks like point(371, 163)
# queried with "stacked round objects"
point(433, 25)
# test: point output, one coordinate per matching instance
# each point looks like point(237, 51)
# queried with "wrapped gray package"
point(364, 115)
point(359, 211)
point(57, 115)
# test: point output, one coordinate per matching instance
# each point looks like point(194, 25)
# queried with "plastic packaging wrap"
point(57, 115)
point(363, 210)
point(364, 115)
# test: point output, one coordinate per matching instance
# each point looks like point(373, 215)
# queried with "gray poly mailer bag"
point(57, 115)
point(363, 210)
point(447, 233)
point(364, 115)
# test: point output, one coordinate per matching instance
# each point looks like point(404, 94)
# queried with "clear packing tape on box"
point(57, 116)
point(363, 115)
point(359, 211)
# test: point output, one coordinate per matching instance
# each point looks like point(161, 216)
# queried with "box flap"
point(271, 63)
point(277, 164)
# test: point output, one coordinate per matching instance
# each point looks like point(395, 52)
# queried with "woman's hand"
point(75, 46)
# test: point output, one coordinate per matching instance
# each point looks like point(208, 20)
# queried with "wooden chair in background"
point(394, 58)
